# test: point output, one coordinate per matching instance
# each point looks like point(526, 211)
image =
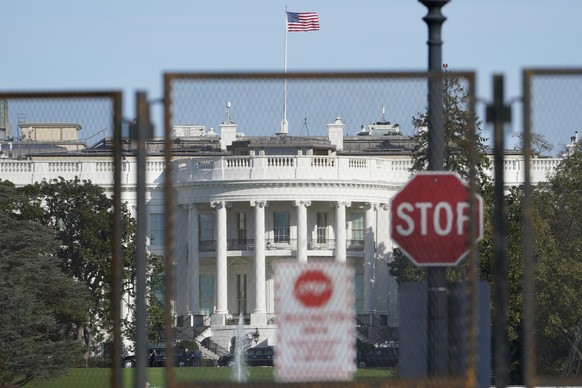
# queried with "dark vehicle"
point(156, 358)
point(379, 357)
point(258, 356)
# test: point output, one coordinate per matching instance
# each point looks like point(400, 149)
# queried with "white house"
point(243, 204)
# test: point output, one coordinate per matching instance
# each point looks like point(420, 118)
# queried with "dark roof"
point(282, 141)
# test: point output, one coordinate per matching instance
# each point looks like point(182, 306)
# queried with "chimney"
point(227, 129)
point(336, 133)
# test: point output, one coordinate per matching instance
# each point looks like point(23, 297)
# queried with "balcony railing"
point(207, 246)
point(289, 243)
point(240, 245)
point(22, 172)
point(301, 167)
point(355, 245)
point(326, 244)
point(272, 244)
point(291, 167)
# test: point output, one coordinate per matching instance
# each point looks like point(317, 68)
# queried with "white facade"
point(301, 208)
point(237, 216)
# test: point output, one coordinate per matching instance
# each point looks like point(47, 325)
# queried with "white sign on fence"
point(315, 322)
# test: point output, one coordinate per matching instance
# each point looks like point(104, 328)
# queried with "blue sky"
point(127, 45)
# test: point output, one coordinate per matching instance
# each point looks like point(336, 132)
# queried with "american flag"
point(302, 21)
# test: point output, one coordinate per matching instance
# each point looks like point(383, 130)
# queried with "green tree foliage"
point(557, 238)
point(514, 284)
point(402, 269)
point(41, 307)
point(558, 278)
point(155, 303)
point(458, 121)
point(539, 144)
point(82, 217)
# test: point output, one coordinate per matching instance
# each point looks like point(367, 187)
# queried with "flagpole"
point(284, 124)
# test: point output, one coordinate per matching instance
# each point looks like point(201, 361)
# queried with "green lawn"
point(99, 377)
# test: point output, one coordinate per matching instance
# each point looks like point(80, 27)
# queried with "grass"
point(99, 377)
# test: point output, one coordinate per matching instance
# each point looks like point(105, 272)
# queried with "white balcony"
point(341, 168)
point(301, 168)
point(391, 170)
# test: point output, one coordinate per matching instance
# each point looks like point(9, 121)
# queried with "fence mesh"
point(552, 266)
point(256, 221)
point(252, 197)
point(59, 276)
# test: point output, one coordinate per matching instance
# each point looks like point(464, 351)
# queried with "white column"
point(302, 230)
point(221, 265)
point(369, 256)
point(181, 260)
point(259, 315)
point(193, 260)
point(340, 230)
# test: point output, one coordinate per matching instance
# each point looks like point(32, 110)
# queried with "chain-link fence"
point(279, 171)
point(270, 199)
point(60, 286)
point(552, 267)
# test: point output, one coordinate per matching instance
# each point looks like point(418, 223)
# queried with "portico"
point(349, 236)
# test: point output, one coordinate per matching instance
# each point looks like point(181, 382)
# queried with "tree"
point(82, 217)
point(155, 303)
point(514, 258)
point(558, 278)
point(40, 306)
point(402, 269)
point(539, 144)
point(557, 238)
point(458, 121)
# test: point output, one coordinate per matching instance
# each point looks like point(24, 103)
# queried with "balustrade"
point(280, 161)
point(251, 167)
point(271, 244)
point(322, 161)
point(234, 162)
point(240, 245)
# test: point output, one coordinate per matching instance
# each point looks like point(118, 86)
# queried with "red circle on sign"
point(313, 288)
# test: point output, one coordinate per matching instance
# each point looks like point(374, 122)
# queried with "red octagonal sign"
point(430, 218)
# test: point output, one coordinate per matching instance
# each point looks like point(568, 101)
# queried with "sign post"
point(437, 276)
point(431, 222)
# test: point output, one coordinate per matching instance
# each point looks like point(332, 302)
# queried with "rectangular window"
point(359, 292)
point(242, 227)
point(321, 227)
point(157, 228)
point(241, 293)
point(281, 226)
point(3, 116)
point(206, 223)
point(206, 293)
point(358, 227)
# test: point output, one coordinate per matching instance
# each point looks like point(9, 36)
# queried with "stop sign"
point(430, 218)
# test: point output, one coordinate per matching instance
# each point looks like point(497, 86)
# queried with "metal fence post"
point(499, 114)
point(141, 133)
point(437, 276)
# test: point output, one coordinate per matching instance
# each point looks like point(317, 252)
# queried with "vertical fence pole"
point(499, 114)
point(116, 379)
point(475, 348)
point(141, 133)
point(437, 276)
point(169, 234)
point(529, 372)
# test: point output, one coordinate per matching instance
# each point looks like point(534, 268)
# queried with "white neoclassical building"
point(244, 204)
